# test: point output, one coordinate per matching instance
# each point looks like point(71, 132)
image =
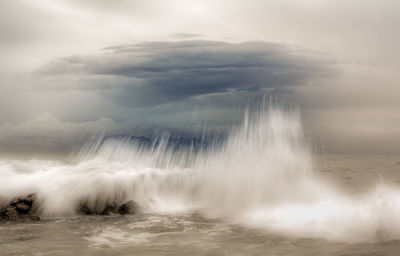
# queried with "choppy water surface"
point(262, 192)
point(165, 235)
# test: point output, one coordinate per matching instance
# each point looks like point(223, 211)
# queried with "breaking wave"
point(261, 176)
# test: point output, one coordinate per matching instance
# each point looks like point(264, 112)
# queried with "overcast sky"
point(73, 67)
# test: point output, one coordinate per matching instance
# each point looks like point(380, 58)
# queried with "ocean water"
point(262, 192)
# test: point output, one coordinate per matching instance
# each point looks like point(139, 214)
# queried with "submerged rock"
point(20, 209)
point(129, 207)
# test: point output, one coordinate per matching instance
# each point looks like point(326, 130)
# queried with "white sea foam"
point(261, 177)
point(115, 237)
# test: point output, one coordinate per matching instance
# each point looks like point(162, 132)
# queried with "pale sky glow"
point(347, 84)
point(62, 27)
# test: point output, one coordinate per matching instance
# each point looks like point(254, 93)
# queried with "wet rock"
point(129, 207)
point(20, 209)
point(87, 209)
point(109, 209)
point(84, 209)
point(25, 200)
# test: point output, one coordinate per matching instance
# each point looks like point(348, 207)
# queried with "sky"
point(71, 69)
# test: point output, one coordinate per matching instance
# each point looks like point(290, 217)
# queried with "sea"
point(263, 191)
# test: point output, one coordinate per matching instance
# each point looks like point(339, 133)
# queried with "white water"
point(261, 177)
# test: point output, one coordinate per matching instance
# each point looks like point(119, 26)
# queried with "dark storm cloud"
point(155, 73)
point(143, 88)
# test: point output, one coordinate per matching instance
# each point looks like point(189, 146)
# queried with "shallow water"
point(165, 235)
point(190, 233)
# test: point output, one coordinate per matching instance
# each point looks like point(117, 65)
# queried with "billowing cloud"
point(173, 85)
point(156, 73)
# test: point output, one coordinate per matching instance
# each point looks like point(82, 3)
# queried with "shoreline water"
point(263, 182)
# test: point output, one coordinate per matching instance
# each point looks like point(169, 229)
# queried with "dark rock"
point(109, 209)
point(84, 209)
point(87, 209)
point(26, 200)
point(20, 209)
point(129, 207)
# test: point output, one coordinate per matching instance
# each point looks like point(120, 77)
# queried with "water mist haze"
point(261, 176)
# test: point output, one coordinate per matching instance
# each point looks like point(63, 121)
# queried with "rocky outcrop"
point(129, 207)
point(20, 209)
point(24, 209)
